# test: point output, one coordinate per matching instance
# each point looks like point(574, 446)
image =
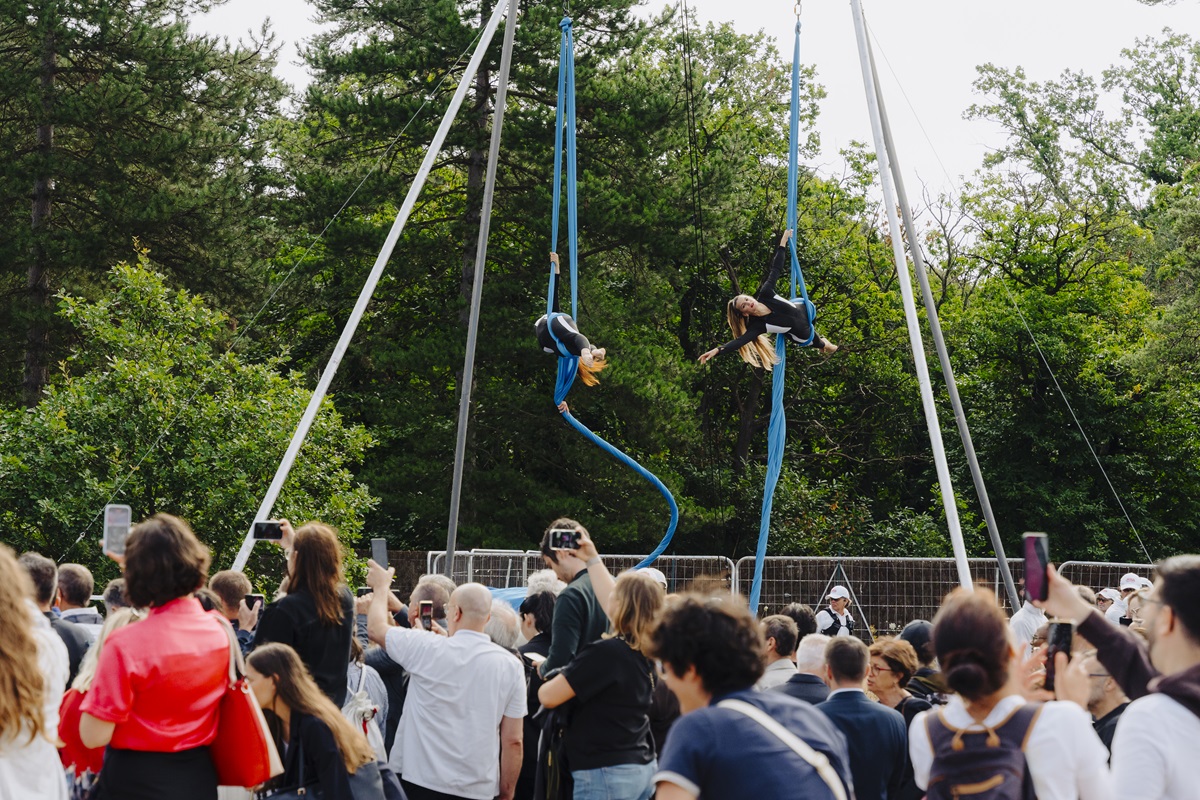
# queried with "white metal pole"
point(939, 342)
point(910, 308)
point(364, 297)
point(485, 226)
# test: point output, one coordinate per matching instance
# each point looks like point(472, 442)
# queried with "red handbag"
point(243, 753)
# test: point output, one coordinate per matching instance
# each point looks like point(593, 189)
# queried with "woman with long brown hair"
point(751, 318)
point(33, 672)
point(322, 748)
point(608, 742)
point(316, 616)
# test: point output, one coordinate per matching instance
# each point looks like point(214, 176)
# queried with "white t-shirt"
point(1155, 750)
point(1066, 758)
point(1025, 623)
point(459, 689)
point(31, 769)
point(826, 616)
point(1118, 609)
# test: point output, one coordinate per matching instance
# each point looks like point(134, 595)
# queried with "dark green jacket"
point(578, 620)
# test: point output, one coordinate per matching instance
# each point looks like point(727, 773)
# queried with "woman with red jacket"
point(153, 702)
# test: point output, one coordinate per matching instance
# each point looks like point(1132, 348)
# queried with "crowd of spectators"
point(594, 686)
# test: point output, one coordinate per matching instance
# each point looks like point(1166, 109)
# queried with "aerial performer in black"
point(570, 342)
point(751, 318)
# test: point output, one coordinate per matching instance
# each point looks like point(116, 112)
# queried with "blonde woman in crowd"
point(608, 742)
point(80, 760)
point(33, 673)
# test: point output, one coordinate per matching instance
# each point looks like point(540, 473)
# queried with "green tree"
point(118, 122)
point(153, 409)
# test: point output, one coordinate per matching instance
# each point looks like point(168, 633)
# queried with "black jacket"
point(804, 686)
point(76, 640)
point(324, 648)
point(323, 763)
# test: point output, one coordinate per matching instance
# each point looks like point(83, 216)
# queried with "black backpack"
point(987, 764)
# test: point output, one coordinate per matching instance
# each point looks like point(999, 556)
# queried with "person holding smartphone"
point(989, 714)
point(234, 590)
point(578, 616)
point(316, 616)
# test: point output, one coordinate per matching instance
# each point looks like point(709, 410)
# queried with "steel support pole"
point(910, 308)
point(364, 297)
point(485, 224)
point(939, 341)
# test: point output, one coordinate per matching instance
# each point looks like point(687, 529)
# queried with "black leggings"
point(140, 775)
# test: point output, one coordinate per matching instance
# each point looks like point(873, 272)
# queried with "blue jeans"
point(622, 782)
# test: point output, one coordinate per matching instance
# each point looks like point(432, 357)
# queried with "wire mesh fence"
point(503, 569)
point(887, 592)
point(1101, 575)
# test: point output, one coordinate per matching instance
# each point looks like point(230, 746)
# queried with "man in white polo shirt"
point(461, 736)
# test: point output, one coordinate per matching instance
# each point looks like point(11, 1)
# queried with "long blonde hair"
point(24, 694)
point(758, 353)
point(295, 688)
point(588, 374)
point(87, 669)
point(636, 601)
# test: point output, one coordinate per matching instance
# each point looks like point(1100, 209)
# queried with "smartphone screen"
point(564, 539)
point(118, 519)
point(426, 614)
point(363, 591)
point(268, 529)
point(1058, 640)
point(1037, 559)
point(253, 600)
point(379, 552)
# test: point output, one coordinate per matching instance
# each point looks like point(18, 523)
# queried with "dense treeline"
point(169, 153)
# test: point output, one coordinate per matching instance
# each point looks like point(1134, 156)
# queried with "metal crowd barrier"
point(503, 569)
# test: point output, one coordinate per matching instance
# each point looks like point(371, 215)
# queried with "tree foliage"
point(153, 409)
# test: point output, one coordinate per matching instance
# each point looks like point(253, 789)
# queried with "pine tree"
point(118, 123)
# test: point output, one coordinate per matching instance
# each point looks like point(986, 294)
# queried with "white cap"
point(1130, 581)
point(1111, 594)
point(657, 575)
point(839, 593)
point(1146, 583)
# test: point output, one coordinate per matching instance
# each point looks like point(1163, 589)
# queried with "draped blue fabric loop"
point(777, 429)
point(568, 364)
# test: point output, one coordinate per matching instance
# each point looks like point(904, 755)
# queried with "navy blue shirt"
point(721, 754)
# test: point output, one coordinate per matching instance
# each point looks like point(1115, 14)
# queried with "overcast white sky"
point(932, 46)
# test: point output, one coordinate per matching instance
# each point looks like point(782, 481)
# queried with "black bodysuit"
point(565, 329)
point(786, 317)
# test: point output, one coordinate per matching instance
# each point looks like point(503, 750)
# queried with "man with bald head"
point(462, 729)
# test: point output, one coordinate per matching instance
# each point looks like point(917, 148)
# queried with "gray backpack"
point(983, 764)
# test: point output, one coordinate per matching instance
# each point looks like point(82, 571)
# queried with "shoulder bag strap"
point(362, 676)
point(815, 759)
point(236, 666)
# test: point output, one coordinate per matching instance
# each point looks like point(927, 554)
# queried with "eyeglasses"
point(875, 668)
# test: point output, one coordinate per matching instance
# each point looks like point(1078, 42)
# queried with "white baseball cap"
point(1111, 594)
point(839, 593)
point(1146, 583)
point(1130, 581)
point(656, 574)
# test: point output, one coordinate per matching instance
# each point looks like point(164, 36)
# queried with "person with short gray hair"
point(504, 627)
point(808, 684)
